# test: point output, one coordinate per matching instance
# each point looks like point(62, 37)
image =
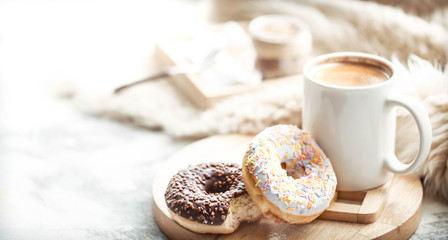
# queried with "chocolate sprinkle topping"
point(202, 192)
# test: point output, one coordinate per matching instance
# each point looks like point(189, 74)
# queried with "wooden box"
point(191, 85)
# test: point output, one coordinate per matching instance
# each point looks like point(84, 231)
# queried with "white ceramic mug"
point(355, 126)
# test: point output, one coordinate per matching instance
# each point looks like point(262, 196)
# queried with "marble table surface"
point(67, 175)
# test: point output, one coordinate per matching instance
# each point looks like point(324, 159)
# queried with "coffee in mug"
point(349, 106)
point(349, 74)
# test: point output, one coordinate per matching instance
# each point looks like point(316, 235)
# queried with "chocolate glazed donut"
point(210, 198)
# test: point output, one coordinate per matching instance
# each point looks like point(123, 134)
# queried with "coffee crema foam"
point(349, 74)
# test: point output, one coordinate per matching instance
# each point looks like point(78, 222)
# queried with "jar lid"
point(276, 28)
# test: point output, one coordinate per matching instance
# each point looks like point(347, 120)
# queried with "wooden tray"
point(349, 214)
point(193, 87)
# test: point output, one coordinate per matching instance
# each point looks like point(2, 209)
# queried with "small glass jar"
point(282, 43)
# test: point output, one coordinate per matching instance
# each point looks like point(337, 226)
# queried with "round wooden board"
point(399, 219)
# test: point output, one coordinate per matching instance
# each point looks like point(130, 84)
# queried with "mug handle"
point(424, 127)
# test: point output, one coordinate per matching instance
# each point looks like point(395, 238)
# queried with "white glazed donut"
point(287, 175)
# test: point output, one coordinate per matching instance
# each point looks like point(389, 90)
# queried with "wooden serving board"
point(356, 215)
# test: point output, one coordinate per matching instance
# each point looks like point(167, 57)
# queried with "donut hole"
point(283, 164)
point(292, 170)
point(217, 185)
